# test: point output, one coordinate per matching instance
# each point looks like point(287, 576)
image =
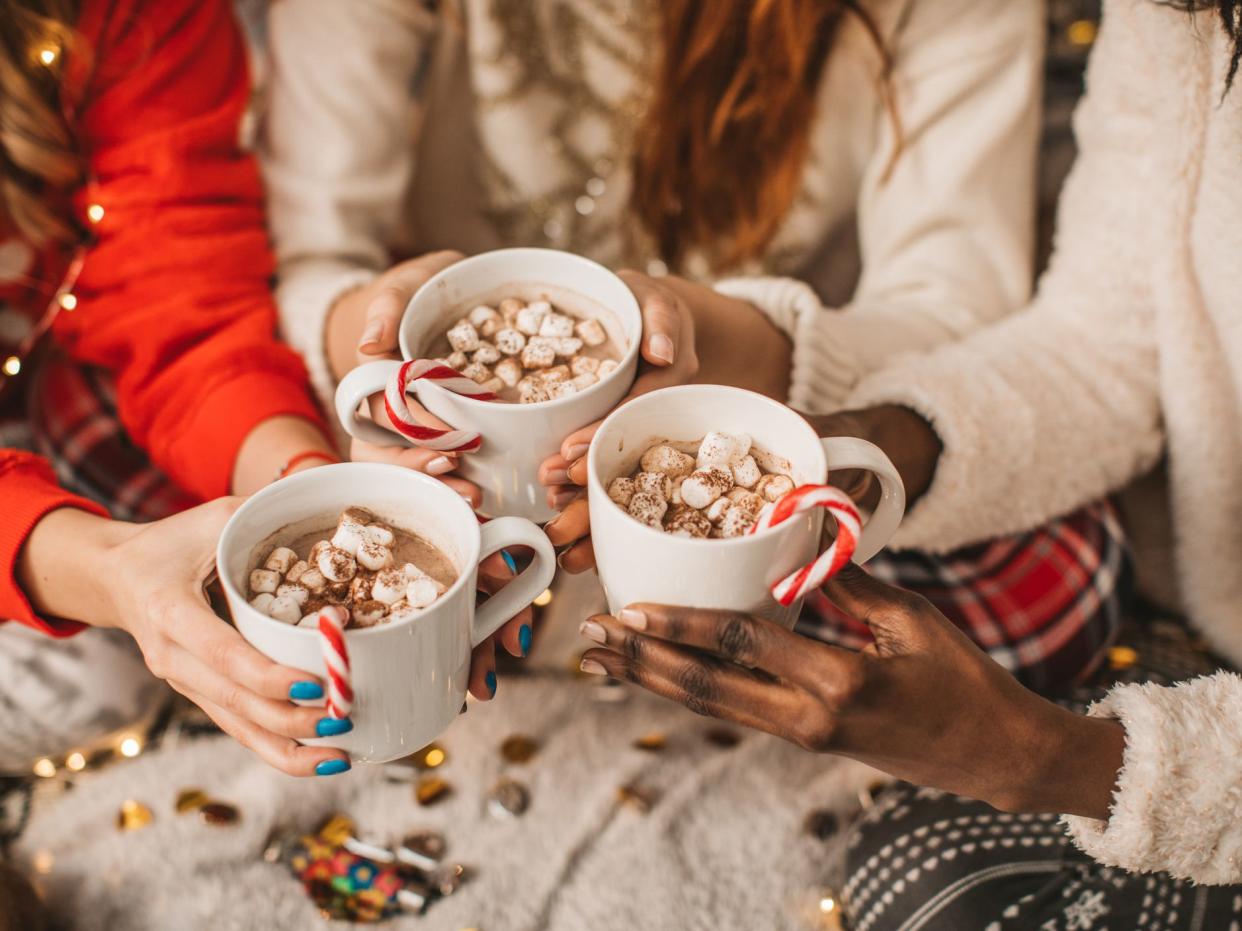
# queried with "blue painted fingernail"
point(305, 691)
point(332, 767)
point(524, 636)
point(490, 679)
point(333, 727)
point(509, 561)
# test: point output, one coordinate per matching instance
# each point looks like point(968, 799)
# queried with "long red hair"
point(719, 156)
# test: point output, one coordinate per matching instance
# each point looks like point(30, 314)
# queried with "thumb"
point(395, 289)
point(661, 319)
point(897, 618)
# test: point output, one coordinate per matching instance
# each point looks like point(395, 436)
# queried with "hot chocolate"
point(528, 352)
point(716, 487)
point(377, 572)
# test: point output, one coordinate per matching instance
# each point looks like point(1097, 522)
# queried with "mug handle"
point(495, 535)
point(355, 388)
point(848, 452)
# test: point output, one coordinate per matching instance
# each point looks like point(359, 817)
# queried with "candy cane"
point(455, 441)
point(336, 658)
point(849, 528)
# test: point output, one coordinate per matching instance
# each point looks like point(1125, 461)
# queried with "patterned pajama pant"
point(923, 860)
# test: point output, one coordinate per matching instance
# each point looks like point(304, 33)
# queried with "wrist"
point(342, 329)
point(271, 446)
point(906, 438)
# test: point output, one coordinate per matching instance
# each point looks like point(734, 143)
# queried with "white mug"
point(408, 678)
point(638, 563)
point(516, 437)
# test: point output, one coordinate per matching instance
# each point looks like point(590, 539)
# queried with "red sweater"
point(174, 296)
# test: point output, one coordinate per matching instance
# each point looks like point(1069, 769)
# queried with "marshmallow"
point(509, 308)
point(494, 385)
point(674, 496)
point(299, 593)
point(509, 371)
point(374, 556)
point(554, 375)
point(478, 372)
point(720, 449)
point(748, 501)
point(648, 508)
point(655, 482)
point(369, 613)
point(309, 620)
point(566, 347)
point(457, 360)
point(264, 581)
point(281, 559)
point(389, 586)
point(360, 588)
point(705, 486)
point(717, 509)
point(509, 341)
point(621, 490)
point(685, 521)
point(297, 570)
point(581, 365)
point(422, 592)
point(563, 389)
point(774, 487)
point(591, 332)
point(735, 522)
point(312, 579)
point(746, 472)
point(463, 337)
point(486, 354)
point(381, 534)
point(336, 564)
point(607, 367)
point(348, 537)
point(530, 318)
point(262, 602)
point(668, 461)
point(285, 609)
point(555, 324)
point(403, 611)
point(337, 592)
point(481, 315)
point(585, 380)
point(538, 354)
point(357, 515)
point(532, 391)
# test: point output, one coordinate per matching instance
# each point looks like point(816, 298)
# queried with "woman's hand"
point(922, 703)
point(148, 580)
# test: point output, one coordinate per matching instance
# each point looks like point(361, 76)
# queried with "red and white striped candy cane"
point(454, 441)
point(849, 528)
point(336, 658)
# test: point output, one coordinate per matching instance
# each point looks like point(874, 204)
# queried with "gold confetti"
point(133, 815)
point(1122, 657)
point(519, 748)
point(638, 796)
point(652, 743)
point(431, 789)
point(508, 799)
point(220, 814)
point(190, 799)
point(429, 757)
point(336, 829)
point(1081, 32)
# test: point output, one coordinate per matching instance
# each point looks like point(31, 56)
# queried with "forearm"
point(65, 564)
point(268, 448)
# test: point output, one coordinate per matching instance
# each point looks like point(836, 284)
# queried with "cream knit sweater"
point(391, 129)
point(1132, 346)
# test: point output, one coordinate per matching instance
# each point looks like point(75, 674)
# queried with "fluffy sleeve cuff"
point(1179, 793)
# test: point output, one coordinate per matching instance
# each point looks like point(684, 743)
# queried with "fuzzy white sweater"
point(1132, 347)
point(393, 130)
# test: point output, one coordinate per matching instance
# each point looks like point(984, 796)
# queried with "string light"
point(130, 747)
point(827, 905)
point(12, 365)
point(95, 213)
point(433, 758)
point(47, 55)
point(1081, 32)
point(544, 598)
point(45, 768)
point(68, 301)
point(75, 761)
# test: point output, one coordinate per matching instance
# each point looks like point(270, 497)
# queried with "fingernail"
point(576, 452)
point(594, 668)
point(331, 767)
point(524, 636)
point(440, 465)
point(463, 708)
point(557, 477)
point(333, 727)
point(559, 501)
point(372, 332)
point(593, 631)
point(632, 617)
point(662, 348)
point(305, 691)
point(490, 680)
point(509, 561)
